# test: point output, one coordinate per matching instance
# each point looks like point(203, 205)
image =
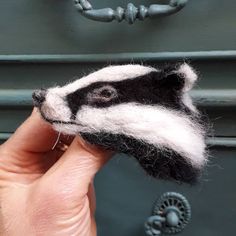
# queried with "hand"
point(45, 191)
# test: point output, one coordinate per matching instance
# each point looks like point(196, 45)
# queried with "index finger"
point(34, 135)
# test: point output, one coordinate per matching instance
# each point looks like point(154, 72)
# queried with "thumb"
point(75, 170)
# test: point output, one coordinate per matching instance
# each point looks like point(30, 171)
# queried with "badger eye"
point(102, 94)
point(107, 93)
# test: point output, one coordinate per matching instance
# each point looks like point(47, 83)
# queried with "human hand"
point(45, 191)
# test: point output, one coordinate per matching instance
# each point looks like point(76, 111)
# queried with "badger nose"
point(39, 97)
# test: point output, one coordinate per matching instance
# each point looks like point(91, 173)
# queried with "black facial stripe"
point(165, 164)
point(149, 89)
point(57, 121)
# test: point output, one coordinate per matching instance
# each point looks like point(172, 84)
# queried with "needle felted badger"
point(138, 110)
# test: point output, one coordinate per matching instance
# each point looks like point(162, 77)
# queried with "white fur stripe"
point(107, 74)
point(153, 124)
point(189, 74)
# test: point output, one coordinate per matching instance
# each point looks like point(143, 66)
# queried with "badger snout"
point(39, 97)
point(52, 105)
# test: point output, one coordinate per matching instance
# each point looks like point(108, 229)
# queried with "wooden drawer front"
point(55, 27)
point(44, 43)
point(215, 93)
point(125, 197)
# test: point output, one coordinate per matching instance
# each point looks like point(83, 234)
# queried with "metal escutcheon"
point(131, 13)
point(171, 213)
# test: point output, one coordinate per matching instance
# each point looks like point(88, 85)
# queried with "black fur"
point(156, 88)
point(164, 164)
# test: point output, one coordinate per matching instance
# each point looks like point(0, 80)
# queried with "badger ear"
point(179, 77)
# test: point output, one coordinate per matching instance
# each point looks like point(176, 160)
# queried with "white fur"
point(153, 124)
point(110, 73)
point(189, 74)
point(56, 107)
point(187, 100)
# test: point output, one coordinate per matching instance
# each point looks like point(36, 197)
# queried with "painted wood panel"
point(55, 27)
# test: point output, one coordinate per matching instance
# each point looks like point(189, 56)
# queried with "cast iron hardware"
point(171, 213)
point(131, 13)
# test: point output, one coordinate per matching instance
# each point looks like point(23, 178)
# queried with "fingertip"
point(78, 142)
point(35, 110)
point(35, 114)
point(34, 135)
point(93, 149)
point(81, 161)
point(36, 120)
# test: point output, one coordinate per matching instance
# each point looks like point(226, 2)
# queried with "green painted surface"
point(214, 74)
point(119, 57)
point(55, 27)
point(125, 197)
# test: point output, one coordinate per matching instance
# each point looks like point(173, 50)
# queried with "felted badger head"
point(134, 109)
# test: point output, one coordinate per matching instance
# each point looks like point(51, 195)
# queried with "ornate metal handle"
point(131, 13)
point(171, 213)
